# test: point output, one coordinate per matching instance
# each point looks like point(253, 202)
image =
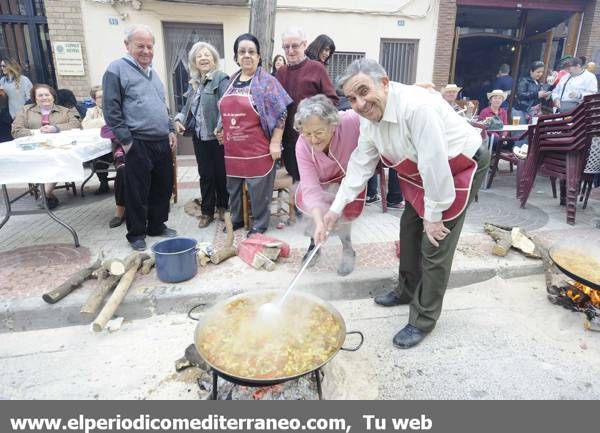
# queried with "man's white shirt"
point(418, 125)
point(580, 85)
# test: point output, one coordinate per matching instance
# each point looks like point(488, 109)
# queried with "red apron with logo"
point(246, 146)
point(463, 170)
point(330, 187)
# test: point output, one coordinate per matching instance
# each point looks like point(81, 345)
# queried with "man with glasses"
point(301, 78)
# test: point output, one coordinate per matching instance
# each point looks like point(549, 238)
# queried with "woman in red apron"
point(253, 112)
point(327, 139)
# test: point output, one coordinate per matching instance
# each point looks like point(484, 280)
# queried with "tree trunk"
point(133, 264)
point(71, 284)
point(262, 25)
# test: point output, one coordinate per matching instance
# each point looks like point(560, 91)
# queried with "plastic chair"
point(558, 147)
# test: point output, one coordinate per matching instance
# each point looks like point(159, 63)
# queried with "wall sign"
point(69, 59)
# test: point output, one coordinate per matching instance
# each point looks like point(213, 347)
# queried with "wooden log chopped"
point(511, 237)
point(72, 283)
point(147, 265)
point(100, 274)
point(228, 250)
point(92, 305)
point(118, 294)
point(114, 266)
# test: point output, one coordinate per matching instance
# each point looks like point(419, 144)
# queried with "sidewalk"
point(37, 254)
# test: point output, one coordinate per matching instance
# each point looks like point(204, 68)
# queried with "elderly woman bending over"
point(45, 117)
point(201, 114)
point(253, 112)
point(327, 139)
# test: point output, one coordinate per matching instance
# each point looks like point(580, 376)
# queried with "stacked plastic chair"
point(558, 147)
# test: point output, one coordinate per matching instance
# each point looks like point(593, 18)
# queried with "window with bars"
point(339, 62)
point(399, 58)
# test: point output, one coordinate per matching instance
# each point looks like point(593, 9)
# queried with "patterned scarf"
point(270, 99)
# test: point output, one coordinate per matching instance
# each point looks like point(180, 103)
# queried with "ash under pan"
point(306, 387)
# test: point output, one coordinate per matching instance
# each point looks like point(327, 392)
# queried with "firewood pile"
point(112, 274)
point(561, 289)
point(117, 275)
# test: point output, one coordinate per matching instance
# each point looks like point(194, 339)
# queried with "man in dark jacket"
point(504, 82)
point(301, 78)
point(135, 109)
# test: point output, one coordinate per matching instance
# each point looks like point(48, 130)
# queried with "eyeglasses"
point(292, 47)
point(249, 52)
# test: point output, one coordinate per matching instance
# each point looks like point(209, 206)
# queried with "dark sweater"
point(306, 79)
point(134, 103)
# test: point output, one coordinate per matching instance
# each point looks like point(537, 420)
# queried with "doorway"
point(24, 37)
point(488, 37)
point(179, 39)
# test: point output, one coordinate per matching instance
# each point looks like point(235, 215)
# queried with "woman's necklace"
point(244, 77)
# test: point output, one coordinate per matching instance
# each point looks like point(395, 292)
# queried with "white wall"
point(363, 31)
point(104, 42)
point(351, 31)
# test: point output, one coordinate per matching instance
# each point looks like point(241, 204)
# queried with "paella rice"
point(236, 342)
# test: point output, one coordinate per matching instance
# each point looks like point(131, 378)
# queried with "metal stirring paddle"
point(271, 310)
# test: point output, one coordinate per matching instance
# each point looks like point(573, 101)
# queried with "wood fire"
point(581, 294)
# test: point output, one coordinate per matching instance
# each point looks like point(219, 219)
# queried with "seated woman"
point(45, 117)
point(94, 118)
point(327, 139)
point(495, 117)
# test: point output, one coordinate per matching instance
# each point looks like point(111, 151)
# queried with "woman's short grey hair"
point(194, 72)
point(94, 90)
point(362, 66)
point(319, 106)
point(136, 28)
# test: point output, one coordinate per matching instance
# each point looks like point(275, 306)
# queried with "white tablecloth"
point(50, 164)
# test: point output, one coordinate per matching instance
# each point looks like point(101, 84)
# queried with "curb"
point(33, 313)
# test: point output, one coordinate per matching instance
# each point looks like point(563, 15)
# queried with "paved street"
point(36, 254)
point(500, 339)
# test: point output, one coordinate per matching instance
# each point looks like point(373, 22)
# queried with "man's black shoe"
point(314, 260)
point(103, 189)
point(139, 245)
point(372, 198)
point(166, 233)
point(408, 337)
point(254, 231)
point(391, 299)
point(236, 226)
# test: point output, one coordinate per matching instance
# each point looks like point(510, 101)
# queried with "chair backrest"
point(462, 103)
point(479, 125)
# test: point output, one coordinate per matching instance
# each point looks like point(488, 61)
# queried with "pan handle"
point(191, 311)
point(354, 349)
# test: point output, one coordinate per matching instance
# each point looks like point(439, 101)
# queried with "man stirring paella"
point(440, 161)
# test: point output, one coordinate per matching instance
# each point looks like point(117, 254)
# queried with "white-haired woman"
point(199, 117)
point(327, 139)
